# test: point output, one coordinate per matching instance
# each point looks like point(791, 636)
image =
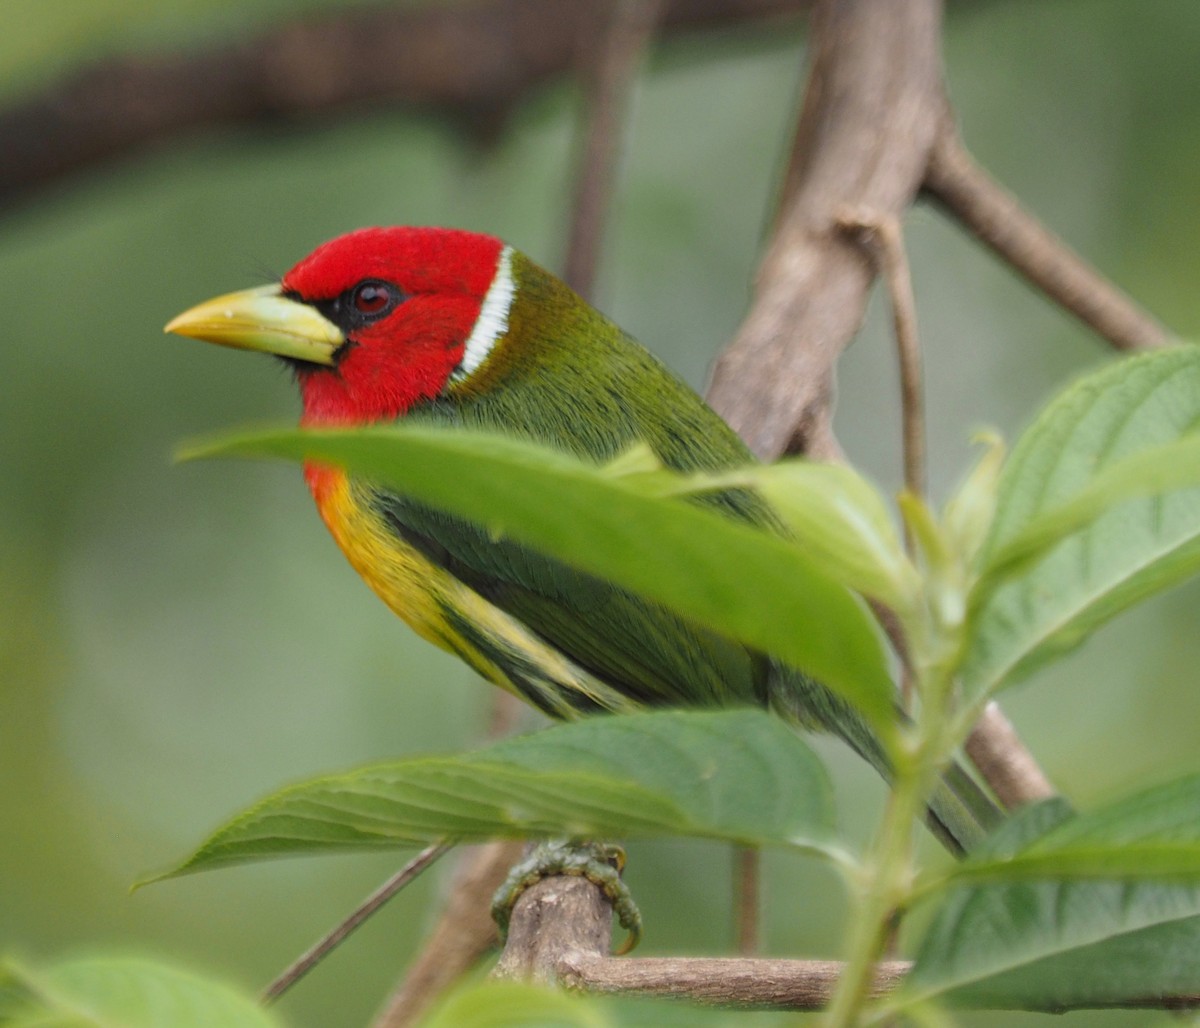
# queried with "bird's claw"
point(600, 863)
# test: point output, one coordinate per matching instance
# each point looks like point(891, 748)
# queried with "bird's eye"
point(372, 298)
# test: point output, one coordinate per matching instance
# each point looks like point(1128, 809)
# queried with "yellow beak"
point(264, 320)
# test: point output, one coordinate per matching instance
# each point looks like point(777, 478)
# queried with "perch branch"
point(559, 934)
point(798, 985)
point(551, 921)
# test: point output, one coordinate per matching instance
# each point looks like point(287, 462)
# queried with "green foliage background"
point(177, 640)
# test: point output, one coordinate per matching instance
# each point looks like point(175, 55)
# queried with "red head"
point(406, 300)
point(373, 321)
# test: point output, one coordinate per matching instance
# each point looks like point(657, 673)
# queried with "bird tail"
point(960, 813)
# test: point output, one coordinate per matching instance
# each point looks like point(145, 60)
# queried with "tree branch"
point(871, 109)
point(552, 921)
point(995, 217)
point(883, 239)
point(759, 982)
point(471, 61)
point(872, 131)
point(559, 935)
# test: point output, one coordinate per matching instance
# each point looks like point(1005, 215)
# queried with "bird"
point(447, 327)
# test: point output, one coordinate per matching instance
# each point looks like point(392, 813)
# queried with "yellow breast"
point(404, 579)
point(434, 602)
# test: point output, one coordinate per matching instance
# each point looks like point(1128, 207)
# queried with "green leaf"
point(126, 992)
point(1160, 469)
point(1152, 835)
point(501, 1004)
point(745, 583)
point(1104, 440)
point(742, 776)
point(836, 516)
point(1072, 923)
point(968, 513)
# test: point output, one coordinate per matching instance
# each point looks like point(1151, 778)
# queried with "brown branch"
point(471, 61)
point(463, 934)
point(1006, 764)
point(794, 985)
point(559, 935)
point(560, 931)
point(799, 985)
point(609, 81)
point(871, 108)
point(872, 131)
point(747, 881)
point(995, 217)
point(552, 920)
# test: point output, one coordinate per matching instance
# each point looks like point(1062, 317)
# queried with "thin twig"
point(883, 238)
point(995, 217)
point(307, 961)
point(610, 72)
point(747, 872)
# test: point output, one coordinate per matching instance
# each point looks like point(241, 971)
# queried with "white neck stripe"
point(492, 323)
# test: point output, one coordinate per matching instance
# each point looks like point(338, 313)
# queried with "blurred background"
point(178, 640)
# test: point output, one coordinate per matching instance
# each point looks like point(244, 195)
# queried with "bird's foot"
point(600, 863)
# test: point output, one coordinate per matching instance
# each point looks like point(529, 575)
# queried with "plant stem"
point(889, 874)
point(890, 870)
